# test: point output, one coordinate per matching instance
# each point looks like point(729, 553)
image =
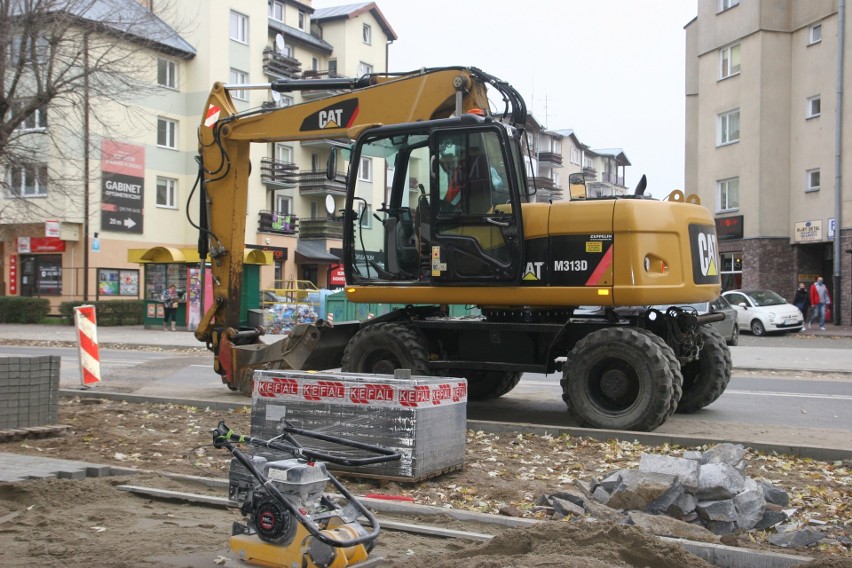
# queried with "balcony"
point(309, 95)
point(611, 178)
point(541, 182)
point(320, 229)
point(278, 174)
point(550, 158)
point(279, 66)
point(316, 183)
point(272, 222)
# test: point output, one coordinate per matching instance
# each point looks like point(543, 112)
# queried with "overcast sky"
point(611, 70)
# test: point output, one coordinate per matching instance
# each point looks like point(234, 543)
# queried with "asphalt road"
point(786, 408)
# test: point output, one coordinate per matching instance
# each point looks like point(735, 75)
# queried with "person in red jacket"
point(820, 299)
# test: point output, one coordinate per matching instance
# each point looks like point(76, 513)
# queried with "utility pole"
point(86, 167)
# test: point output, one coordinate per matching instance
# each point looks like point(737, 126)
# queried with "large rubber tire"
point(674, 366)
point(707, 378)
point(618, 378)
point(487, 385)
point(384, 347)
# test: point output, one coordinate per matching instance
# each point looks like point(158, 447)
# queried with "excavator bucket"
point(308, 347)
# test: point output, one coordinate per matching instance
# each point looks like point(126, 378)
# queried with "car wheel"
point(735, 336)
point(757, 328)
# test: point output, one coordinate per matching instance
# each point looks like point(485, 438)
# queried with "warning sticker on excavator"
point(437, 266)
point(212, 116)
point(705, 254)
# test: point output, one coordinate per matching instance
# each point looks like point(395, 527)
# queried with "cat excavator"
point(460, 224)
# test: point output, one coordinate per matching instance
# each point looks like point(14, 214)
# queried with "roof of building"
point(299, 35)
point(353, 11)
point(133, 22)
point(616, 153)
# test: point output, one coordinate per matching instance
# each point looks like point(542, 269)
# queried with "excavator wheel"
point(674, 365)
point(707, 378)
point(618, 378)
point(384, 347)
point(487, 385)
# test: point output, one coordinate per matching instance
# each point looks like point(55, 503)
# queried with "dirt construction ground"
point(91, 523)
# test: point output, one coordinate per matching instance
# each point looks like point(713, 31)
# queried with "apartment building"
point(122, 228)
point(766, 85)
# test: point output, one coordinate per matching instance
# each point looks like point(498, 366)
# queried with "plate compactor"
point(290, 521)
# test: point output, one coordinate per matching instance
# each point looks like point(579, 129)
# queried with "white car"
point(764, 311)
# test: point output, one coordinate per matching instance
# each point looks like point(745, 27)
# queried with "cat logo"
point(339, 115)
point(705, 254)
point(533, 271)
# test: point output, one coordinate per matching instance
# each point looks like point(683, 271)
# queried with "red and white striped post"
point(87, 342)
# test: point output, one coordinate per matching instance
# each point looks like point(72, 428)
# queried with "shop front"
point(164, 266)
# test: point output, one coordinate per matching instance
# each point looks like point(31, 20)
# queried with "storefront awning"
point(172, 255)
point(308, 252)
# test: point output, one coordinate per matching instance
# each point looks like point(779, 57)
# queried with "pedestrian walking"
point(820, 300)
point(802, 300)
point(170, 299)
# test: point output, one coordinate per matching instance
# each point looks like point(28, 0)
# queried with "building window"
point(815, 34)
point(239, 27)
point(276, 10)
point(814, 107)
point(303, 20)
point(314, 64)
point(367, 34)
point(364, 69)
point(723, 5)
point(576, 156)
point(35, 121)
point(284, 101)
point(283, 204)
point(28, 181)
point(729, 61)
point(166, 133)
point(239, 78)
point(812, 180)
point(166, 192)
point(365, 172)
point(728, 194)
point(41, 275)
point(332, 68)
point(284, 153)
point(167, 73)
point(729, 127)
point(732, 270)
point(365, 215)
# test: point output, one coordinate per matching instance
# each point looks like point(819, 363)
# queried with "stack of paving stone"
point(29, 391)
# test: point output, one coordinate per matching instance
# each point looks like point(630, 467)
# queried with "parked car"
point(727, 328)
point(764, 311)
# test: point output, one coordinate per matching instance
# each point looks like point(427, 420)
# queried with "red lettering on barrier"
point(366, 394)
point(277, 387)
point(415, 396)
point(460, 392)
point(322, 390)
point(441, 393)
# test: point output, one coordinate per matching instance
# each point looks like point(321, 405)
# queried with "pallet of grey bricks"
point(421, 417)
point(29, 391)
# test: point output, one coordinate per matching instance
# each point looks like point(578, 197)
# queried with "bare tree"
point(70, 72)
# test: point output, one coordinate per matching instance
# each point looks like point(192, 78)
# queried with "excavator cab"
point(452, 213)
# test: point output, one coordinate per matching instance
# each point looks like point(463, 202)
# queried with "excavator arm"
point(225, 136)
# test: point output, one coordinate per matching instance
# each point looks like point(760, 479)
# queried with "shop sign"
point(122, 187)
point(336, 276)
point(808, 231)
point(27, 245)
point(729, 228)
point(51, 229)
point(13, 274)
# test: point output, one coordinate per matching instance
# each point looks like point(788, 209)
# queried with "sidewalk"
point(803, 351)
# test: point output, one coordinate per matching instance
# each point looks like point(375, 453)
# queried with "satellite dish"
point(329, 204)
point(279, 42)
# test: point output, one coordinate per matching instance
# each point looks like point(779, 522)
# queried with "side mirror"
point(577, 186)
point(743, 305)
point(331, 165)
